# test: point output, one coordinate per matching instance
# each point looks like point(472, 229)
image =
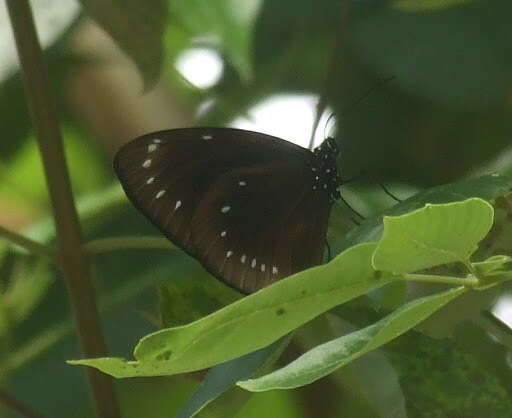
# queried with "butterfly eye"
point(249, 207)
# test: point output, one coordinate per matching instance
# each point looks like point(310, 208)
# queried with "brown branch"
point(73, 260)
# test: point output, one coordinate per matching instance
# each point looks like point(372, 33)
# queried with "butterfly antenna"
point(376, 87)
point(332, 70)
point(321, 107)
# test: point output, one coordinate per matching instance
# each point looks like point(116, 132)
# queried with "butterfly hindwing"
point(242, 203)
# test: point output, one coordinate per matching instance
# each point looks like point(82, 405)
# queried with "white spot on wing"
point(229, 254)
point(274, 270)
point(223, 234)
point(178, 204)
point(225, 209)
point(160, 194)
point(150, 180)
point(157, 141)
point(253, 263)
point(242, 183)
point(206, 137)
point(263, 267)
point(243, 258)
point(147, 163)
point(152, 147)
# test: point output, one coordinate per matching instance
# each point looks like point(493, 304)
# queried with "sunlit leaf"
point(433, 235)
point(486, 187)
point(251, 323)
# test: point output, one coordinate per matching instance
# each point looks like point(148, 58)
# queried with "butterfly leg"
point(328, 250)
point(391, 195)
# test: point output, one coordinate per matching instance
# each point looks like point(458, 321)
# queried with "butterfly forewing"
point(242, 203)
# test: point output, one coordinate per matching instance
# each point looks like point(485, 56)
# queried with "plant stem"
point(72, 258)
point(464, 281)
point(30, 245)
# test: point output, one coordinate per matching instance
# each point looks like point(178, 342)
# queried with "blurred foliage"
point(444, 116)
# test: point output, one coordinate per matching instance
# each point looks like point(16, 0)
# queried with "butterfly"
point(250, 207)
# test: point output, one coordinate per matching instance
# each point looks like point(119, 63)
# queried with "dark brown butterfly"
point(251, 208)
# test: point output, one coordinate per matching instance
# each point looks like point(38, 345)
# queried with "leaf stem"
point(72, 258)
point(469, 281)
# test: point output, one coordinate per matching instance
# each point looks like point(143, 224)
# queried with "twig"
point(26, 243)
point(17, 406)
point(73, 259)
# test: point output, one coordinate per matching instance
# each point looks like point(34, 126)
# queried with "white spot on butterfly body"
point(223, 234)
point(150, 180)
point(206, 137)
point(152, 147)
point(253, 263)
point(243, 258)
point(229, 254)
point(147, 163)
point(225, 209)
point(263, 267)
point(274, 270)
point(157, 141)
point(242, 183)
point(160, 194)
point(178, 204)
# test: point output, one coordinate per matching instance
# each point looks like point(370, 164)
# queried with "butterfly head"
point(325, 170)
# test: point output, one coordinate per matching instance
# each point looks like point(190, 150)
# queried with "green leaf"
point(217, 23)
point(223, 376)
point(251, 323)
point(486, 187)
point(137, 26)
point(95, 208)
point(384, 394)
point(330, 356)
point(24, 179)
point(433, 235)
point(184, 301)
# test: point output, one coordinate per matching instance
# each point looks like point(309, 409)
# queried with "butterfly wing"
point(240, 202)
